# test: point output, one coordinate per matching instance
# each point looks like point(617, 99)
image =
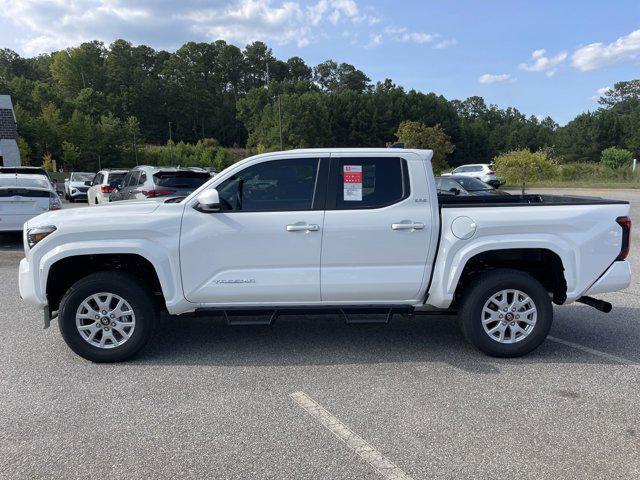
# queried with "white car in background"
point(482, 171)
point(103, 184)
point(75, 187)
point(24, 196)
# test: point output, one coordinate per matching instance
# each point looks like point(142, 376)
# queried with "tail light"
point(625, 223)
point(54, 202)
point(106, 188)
point(157, 193)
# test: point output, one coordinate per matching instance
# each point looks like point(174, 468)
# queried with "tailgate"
point(23, 201)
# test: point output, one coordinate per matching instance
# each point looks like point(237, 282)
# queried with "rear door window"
point(368, 182)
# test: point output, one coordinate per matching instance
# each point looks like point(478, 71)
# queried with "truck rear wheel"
point(107, 316)
point(506, 313)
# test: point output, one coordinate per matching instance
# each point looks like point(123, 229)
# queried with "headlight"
point(35, 234)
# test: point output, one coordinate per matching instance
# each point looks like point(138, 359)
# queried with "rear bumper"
point(617, 277)
point(27, 285)
point(14, 223)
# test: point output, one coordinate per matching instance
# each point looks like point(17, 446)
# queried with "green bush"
point(614, 157)
point(519, 167)
point(595, 172)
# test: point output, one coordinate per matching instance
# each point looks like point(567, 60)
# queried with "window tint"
point(277, 185)
point(115, 178)
point(142, 179)
point(473, 184)
point(133, 178)
point(181, 179)
point(127, 179)
point(475, 169)
point(370, 182)
point(97, 179)
point(444, 186)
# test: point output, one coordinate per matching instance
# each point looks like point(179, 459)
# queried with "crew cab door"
point(264, 246)
point(377, 229)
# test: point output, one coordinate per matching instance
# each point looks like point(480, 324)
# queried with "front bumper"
point(617, 277)
point(27, 283)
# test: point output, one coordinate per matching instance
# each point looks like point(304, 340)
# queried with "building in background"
point(9, 152)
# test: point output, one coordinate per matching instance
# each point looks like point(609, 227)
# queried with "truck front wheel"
point(107, 316)
point(506, 313)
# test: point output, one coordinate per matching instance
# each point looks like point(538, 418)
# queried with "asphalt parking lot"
point(311, 397)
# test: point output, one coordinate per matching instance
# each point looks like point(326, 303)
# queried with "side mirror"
point(455, 191)
point(88, 183)
point(208, 201)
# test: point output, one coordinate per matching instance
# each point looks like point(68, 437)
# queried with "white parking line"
point(385, 467)
point(608, 356)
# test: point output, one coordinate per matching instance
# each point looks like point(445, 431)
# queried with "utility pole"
point(169, 131)
point(99, 163)
point(135, 147)
point(280, 120)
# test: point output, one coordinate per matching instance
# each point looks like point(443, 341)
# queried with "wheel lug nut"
point(113, 324)
point(104, 312)
point(517, 316)
point(97, 317)
point(504, 322)
point(500, 316)
point(513, 323)
point(106, 329)
point(112, 315)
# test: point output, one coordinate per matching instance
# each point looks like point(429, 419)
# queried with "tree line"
point(112, 102)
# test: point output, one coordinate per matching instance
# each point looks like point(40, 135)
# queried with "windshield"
point(81, 177)
point(181, 179)
point(471, 184)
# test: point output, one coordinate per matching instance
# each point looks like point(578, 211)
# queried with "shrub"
point(614, 157)
point(521, 166)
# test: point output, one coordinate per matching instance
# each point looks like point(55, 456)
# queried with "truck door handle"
point(407, 226)
point(302, 227)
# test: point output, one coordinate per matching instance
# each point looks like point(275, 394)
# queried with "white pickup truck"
point(360, 232)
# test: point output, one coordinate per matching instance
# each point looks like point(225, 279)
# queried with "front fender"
point(165, 264)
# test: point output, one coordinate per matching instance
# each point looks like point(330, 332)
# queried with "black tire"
point(126, 286)
point(486, 285)
point(71, 199)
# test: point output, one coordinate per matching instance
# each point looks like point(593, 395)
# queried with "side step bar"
point(267, 315)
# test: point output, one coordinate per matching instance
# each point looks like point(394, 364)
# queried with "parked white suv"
point(75, 186)
point(103, 185)
point(357, 231)
point(481, 171)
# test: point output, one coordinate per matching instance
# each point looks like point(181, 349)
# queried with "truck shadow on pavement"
point(326, 340)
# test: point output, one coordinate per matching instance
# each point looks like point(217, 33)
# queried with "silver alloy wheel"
point(509, 316)
point(105, 320)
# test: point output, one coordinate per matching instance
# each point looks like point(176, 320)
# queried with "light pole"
point(280, 120)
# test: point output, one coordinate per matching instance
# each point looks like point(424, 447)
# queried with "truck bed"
point(455, 201)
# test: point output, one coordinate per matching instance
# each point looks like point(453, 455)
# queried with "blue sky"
point(543, 57)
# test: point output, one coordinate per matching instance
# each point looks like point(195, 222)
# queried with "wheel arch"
point(62, 269)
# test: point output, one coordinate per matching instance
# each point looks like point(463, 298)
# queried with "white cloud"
point(600, 93)
point(445, 43)
point(599, 55)
point(404, 35)
point(54, 24)
point(488, 78)
point(540, 62)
